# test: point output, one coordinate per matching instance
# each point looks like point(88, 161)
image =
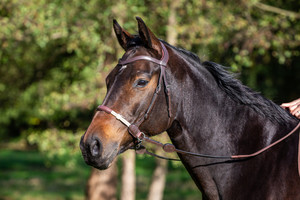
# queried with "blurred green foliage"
point(57, 146)
point(55, 55)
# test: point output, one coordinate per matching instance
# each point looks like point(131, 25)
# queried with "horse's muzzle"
point(93, 153)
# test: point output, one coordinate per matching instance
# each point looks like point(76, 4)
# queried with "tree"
point(102, 185)
point(128, 176)
point(158, 181)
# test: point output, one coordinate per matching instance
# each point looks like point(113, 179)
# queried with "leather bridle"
point(141, 137)
point(162, 81)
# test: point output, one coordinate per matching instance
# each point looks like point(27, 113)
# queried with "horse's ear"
point(123, 36)
point(148, 38)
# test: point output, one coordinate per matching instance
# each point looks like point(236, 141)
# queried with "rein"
point(169, 148)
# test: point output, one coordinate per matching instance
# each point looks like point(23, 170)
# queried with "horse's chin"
point(103, 162)
point(102, 166)
point(108, 162)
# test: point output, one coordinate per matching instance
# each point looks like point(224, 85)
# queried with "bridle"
point(162, 81)
point(140, 137)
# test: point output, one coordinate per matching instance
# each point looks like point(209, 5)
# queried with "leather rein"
point(169, 148)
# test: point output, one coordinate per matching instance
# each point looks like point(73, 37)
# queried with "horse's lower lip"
point(100, 162)
point(102, 167)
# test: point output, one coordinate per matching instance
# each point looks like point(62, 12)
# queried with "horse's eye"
point(141, 83)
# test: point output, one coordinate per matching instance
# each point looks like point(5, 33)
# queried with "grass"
point(23, 175)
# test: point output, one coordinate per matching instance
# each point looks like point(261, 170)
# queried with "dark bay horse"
point(157, 87)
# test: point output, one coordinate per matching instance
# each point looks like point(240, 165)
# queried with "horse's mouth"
point(105, 162)
point(102, 162)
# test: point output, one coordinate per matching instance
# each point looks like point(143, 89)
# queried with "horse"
point(156, 87)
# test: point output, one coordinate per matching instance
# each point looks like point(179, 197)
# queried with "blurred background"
point(54, 58)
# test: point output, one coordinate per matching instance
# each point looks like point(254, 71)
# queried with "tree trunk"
point(157, 186)
point(128, 176)
point(159, 176)
point(172, 23)
point(102, 185)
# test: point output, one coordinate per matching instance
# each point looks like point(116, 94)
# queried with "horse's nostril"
point(95, 147)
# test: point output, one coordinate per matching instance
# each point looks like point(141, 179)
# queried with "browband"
point(163, 61)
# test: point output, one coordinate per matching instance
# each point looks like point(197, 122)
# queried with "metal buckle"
point(141, 136)
point(139, 140)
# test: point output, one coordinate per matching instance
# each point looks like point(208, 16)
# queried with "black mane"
point(246, 96)
point(185, 52)
point(239, 92)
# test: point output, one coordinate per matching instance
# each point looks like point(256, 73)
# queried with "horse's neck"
point(217, 125)
point(228, 131)
point(207, 117)
point(208, 121)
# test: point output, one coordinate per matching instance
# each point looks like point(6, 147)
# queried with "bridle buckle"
point(139, 140)
point(140, 137)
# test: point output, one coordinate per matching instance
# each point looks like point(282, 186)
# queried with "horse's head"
point(130, 92)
